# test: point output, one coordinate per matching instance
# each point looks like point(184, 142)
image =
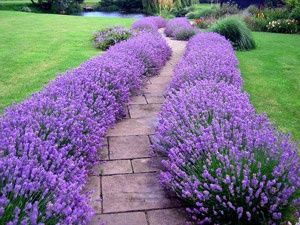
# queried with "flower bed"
point(149, 23)
point(208, 56)
point(180, 29)
point(49, 142)
point(225, 161)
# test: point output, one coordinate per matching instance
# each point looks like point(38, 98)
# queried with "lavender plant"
point(179, 28)
point(227, 163)
point(49, 142)
point(149, 23)
point(208, 56)
point(107, 37)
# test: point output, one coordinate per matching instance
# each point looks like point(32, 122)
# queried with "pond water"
point(112, 14)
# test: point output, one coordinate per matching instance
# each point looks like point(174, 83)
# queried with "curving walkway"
point(126, 190)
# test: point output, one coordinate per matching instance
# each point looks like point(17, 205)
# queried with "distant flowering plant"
point(107, 37)
point(49, 142)
point(283, 26)
point(179, 28)
point(149, 23)
point(227, 163)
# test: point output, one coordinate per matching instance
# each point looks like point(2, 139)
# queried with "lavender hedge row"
point(225, 161)
point(180, 29)
point(149, 23)
point(49, 142)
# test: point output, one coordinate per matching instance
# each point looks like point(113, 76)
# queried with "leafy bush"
point(275, 13)
point(179, 11)
point(123, 5)
point(179, 28)
point(49, 142)
point(215, 11)
point(227, 163)
point(150, 23)
point(295, 14)
point(235, 30)
point(256, 23)
point(283, 26)
point(253, 10)
point(204, 23)
point(107, 37)
point(59, 6)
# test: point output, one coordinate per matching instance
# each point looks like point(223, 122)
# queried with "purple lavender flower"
point(49, 142)
point(226, 162)
point(180, 29)
point(107, 37)
point(151, 23)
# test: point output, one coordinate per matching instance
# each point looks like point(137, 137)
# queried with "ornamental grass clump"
point(208, 56)
point(107, 37)
point(180, 29)
point(149, 23)
point(235, 30)
point(49, 143)
point(227, 163)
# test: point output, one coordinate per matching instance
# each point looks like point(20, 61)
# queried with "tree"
point(59, 6)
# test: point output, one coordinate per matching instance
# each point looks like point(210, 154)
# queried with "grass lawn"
point(272, 78)
point(36, 47)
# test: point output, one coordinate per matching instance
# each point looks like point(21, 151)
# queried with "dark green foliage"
point(59, 6)
point(235, 30)
point(256, 23)
point(215, 11)
point(295, 13)
point(123, 5)
point(179, 12)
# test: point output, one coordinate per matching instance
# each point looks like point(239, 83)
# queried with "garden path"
point(126, 190)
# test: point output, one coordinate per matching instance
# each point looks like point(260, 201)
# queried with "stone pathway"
point(126, 190)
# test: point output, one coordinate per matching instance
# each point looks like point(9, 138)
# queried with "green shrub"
point(204, 23)
point(166, 14)
point(179, 12)
point(235, 30)
point(275, 13)
point(228, 9)
point(256, 23)
point(59, 6)
point(283, 26)
point(295, 14)
point(107, 37)
point(253, 10)
point(124, 5)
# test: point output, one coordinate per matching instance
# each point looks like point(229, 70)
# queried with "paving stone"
point(161, 80)
point(154, 98)
point(132, 218)
point(146, 165)
point(139, 99)
point(146, 110)
point(115, 167)
point(126, 147)
point(167, 217)
point(103, 152)
point(129, 192)
point(139, 126)
point(155, 89)
point(93, 186)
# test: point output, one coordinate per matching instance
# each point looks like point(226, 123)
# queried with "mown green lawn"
point(272, 78)
point(36, 47)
